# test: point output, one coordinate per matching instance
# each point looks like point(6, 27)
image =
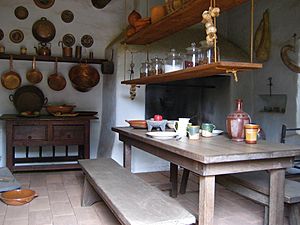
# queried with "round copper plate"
point(68, 40)
point(87, 41)
point(21, 12)
point(100, 4)
point(1, 34)
point(16, 36)
point(44, 4)
point(67, 16)
point(43, 30)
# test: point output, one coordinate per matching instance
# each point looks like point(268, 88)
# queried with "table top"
point(213, 149)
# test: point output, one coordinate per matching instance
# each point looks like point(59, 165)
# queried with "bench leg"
point(173, 179)
point(294, 214)
point(266, 215)
point(89, 195)
point(184, 180)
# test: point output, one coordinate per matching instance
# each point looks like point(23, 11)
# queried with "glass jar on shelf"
point(191, 57)
point(211, 54)
point(146, 69)
point(173, 62)
point(202, 53)
point(157, 66)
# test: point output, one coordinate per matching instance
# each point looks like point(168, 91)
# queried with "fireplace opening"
point(200, 99)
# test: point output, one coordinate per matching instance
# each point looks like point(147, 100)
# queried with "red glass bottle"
point(235, 122)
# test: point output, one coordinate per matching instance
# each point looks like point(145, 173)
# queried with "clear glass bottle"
point(191, 57)
point(202, 53)
point(145, 69)
point(157, 66)
point(211, 54)
point(173, 62)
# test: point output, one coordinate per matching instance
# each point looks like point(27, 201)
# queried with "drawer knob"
point(29, 137)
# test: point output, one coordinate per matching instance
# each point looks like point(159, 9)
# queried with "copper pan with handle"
point(34, 76)
point(11, 80)
point(56, 81)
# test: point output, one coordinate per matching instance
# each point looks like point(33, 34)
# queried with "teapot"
point(43, 49)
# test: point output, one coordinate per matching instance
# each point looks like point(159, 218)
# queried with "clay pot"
point(235, 122)
point(133, 16)
point(158, 12)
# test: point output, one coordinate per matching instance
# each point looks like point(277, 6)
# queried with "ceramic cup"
point(181, 126)
point(251, 131)
point(207, 129)
point(193, 132)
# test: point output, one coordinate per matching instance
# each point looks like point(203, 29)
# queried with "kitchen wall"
point(284, 22)
point(102, 24)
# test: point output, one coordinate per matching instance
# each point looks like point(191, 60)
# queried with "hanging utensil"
point(56, 81)
point(34, 76)
point(11, 80)
point(43, 30)
point(84, 77)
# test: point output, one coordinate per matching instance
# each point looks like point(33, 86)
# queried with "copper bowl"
point(18, 197)
point(137, 123)
point(63, 109)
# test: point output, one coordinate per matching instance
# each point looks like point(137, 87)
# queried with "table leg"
point(276, 200)
point(127, 156)
point(206, 200)
point(173, 179)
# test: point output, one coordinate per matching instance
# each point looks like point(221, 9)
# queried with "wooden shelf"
point(196, 72)
point(51, 58)
point(189, 14)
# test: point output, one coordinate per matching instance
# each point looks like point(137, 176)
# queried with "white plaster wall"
point(284, 22)
point(102, 24)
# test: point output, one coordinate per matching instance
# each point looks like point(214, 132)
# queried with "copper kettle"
point(43, 49)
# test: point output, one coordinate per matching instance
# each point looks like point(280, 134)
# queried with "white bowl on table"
point(171, 124)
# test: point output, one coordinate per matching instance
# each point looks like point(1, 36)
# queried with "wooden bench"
point(131, 199)
point(255, 186)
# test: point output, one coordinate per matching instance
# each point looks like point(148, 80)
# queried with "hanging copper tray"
point(21, 12)
point(43, 30)
point(16, 36)
point(87, 41)
point(68, 40)
point(1, 34)
point(44, 4)
point(67, 16)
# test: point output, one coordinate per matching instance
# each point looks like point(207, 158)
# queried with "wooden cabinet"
point(37, 134)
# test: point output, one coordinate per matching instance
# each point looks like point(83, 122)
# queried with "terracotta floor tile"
point(39, 203)
point(65, 220)
point(61, 208)
point(54, 179)
point(17, 212)
point(73, 190)
point(75, 201)
point(3, 208)
point(105, 215)
point(85, 214)
point(55, 187)
point(41, 191)
point(40, 217)
point(58, 196)
point(16, 222)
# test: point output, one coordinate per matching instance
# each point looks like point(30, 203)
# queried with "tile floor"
point(58, 202)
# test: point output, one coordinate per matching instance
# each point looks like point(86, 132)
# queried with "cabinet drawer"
point(26, 132)
point(69, 132)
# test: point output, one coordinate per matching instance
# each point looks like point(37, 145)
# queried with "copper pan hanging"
point(11, 80)
point(34, 76)
point(43, 30)
point(56, 81)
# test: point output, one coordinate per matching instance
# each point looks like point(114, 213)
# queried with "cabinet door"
point(30, 132)
point(68, 132)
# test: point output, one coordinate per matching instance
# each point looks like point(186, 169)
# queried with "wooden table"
point(213, 156)
point(46, 131)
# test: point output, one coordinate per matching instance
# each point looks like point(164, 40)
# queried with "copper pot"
point(34, 76)
point(84, 77)
point(56, 81)
point(11, 80)
point(43, 30)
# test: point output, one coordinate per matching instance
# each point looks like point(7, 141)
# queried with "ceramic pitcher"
point(181, 126)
